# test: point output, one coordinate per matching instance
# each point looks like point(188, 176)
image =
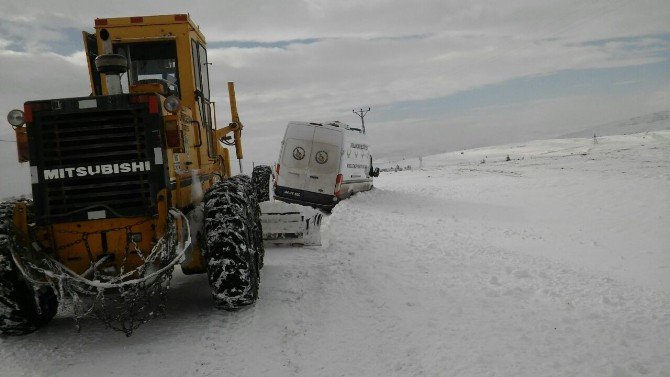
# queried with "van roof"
point(334, 125)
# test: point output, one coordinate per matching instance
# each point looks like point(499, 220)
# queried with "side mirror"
point(375, 173)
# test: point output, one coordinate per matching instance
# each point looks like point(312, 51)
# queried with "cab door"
point(201, 75)
point(296, 152)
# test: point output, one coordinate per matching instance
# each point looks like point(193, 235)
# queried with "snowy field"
point(555, 263)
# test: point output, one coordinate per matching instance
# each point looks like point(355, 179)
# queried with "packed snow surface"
point(554, 263)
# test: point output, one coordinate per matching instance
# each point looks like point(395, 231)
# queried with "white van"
point(322, 163)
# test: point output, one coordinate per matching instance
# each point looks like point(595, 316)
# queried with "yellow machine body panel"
point(109, 237)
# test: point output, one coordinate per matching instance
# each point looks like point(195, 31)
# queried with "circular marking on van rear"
point(321, 157)
point(298, 153)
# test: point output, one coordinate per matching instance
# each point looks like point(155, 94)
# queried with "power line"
point(361, 113)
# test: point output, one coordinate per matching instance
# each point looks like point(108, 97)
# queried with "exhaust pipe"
point(112, 66)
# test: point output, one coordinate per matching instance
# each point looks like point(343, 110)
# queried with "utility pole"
point(361, 113)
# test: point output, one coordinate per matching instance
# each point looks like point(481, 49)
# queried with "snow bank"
point(554, 263)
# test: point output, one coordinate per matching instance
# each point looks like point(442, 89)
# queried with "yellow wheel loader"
point(127, 183)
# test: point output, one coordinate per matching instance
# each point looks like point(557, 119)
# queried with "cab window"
point(151, 62)
point(200, 68)
point(196, 66)
point(201, 75)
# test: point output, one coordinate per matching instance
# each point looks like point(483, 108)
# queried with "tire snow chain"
point(137, 296)
point(97, 284)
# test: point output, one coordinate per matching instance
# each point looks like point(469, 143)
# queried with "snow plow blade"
point(290, 224)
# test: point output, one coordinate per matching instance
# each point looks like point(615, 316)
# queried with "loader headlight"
point(321, 157)
point(15, 118)
point(172, 104)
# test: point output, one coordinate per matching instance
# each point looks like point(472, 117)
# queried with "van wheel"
point(231, 247)
point(262, 181)
point(22, 308)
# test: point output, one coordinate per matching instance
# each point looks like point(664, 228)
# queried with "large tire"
point(262, 179)
point(231, 247)
point(22, 308)
point(255, 220)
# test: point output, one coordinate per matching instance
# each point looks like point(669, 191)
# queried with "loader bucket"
point(290, 224)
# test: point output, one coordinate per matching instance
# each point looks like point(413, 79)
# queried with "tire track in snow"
point(271, 337)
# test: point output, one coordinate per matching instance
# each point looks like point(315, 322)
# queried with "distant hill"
point(650, 122)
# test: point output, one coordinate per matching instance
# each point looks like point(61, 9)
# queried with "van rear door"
point(324, 162)
point(295, 157)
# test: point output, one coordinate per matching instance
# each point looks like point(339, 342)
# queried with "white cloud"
point(326, 78)
point(295, 19)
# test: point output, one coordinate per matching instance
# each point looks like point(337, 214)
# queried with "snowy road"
point(557, 264)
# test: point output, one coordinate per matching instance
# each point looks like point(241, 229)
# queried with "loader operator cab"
point(157, 63)
point(165, 55)
point(170, 59)
point(154, 66)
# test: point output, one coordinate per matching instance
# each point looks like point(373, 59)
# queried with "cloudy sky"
point(439, 74)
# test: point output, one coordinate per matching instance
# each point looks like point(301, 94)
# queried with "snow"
point(554, 263)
